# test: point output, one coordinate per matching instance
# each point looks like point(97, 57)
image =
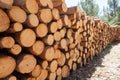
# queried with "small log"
point(4, 21)
point(65, 71)
point(74, 66)
point(67, 55)
point(32, 20)
point(57, 3)
point(63, 44)
point(45, 15)
point(57, 36)
point(59, 71)
point(48, 54)
point(43, 75)
point(70, 63)
point(26, 37)
point(63, 32)
point(60, 24)
point(53, 66)
point(41, 30)
point(7, 66)
point(7, 42)
point(26, 63)
point(15, 49)
point(52, 76)
point(59, 77)
point(27, 5)
point(17, 14)
point(57, 54)
point(50, 4)
point(6, 4)
point(15, 27)
point(37, 48)
point(55, 13)
point(44, 64)
point(36, 71)
point(53, 27)
point(42, 3)
point(61, 60)
point(49, 39)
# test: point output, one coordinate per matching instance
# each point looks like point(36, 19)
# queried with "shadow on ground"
point(87, 71)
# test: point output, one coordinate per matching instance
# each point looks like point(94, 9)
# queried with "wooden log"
point(74, 66)
point(44, 64)
point(10, 77)
point(65, 20)
point(57, 36)
point(17, 14)
point(60, 24)
point(61, 60)
point(26, 63)
point(15, 27)
point(36, 71)
point(52, 76)
point(50, 4)
point(70, 63)
point(49, 39)
point(57, 3)
point(59, 77)
point(15, 49)
point(53, 27)
point(65, 71)
point(59, 71)
point(67, 55)
point(45, 15)
point(4, 21)
point(32, 20)
point(57, 54)
point(41, 30)
point(27, 5)
point(43, 75)
point(37, 48)
point(7, 42)
point(73, 9)
point(48, 54)
point(63, 44)
point(55, 13)
point(7, 66)
point(42, 3)
point(63, 32)
point(6, 4)
point(53, 66)
point(26, 37)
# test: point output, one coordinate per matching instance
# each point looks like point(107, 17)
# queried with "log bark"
point(17, 14)
point(4, 21)
point(26, 63)
point(7, 66)
point(27, 5)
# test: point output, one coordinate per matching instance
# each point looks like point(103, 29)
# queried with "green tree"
point(89, 7)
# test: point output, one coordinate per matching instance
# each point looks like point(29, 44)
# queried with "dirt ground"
point(105, 66)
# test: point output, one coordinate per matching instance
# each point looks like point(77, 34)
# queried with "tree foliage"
point(89, 7)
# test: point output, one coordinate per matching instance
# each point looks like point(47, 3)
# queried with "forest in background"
point(111, 13)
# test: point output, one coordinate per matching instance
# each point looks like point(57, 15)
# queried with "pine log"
point(63, 32)
point(53, 27)
point(15, 49)
point(26, 63)
point(57, 54)
point(60, 24)
point(48, 54)
point(55, 13)
point(42, 3)
point(63, 44)
point(43, 75)
point(36, 71)
point(49, 39)
point(65, 71)
point(50, 4)
point(67, 55)
point(57, 36)
point(26, 37)
point(7, 42)
point(53, 66)
point(41, 30)
point(52, 76)
point(74, 66)
point(15, 27)
point(37, 48)
point(61, 60)
point(17, 14)
point(4, 21)
point(59, 71)
point(45, 15)
point(7, 66)
point(6, 4)
point(44, 64)
point(27, 5)
point(32, 20)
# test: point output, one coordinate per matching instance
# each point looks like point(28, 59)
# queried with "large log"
point(7, 66)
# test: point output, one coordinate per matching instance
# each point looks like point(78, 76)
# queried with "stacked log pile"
point(45, 40)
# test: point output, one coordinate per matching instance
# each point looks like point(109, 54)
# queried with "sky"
point(101, 3)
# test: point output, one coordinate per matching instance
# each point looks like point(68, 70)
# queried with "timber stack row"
point(45, 40)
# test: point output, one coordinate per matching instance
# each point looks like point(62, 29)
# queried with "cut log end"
point(6, 4)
